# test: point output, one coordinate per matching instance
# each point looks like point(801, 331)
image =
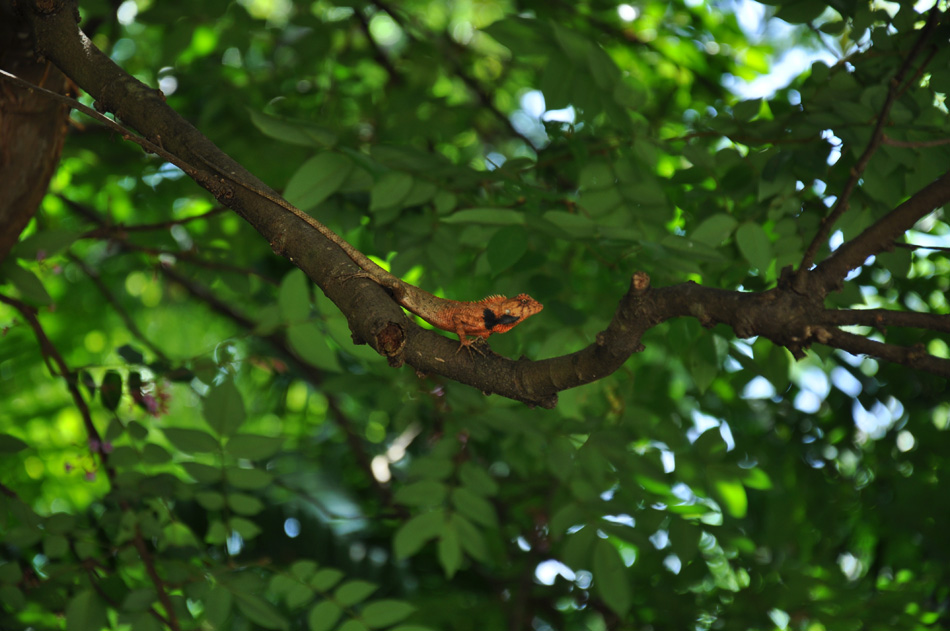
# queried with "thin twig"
point(119, 309)
point(120, 229)
point(160, 587)
point(125, 132)
point(887, 140)
point(378, 52)
point(880, 318)
point(916, 357)
point(877, 136)
point(49, 351)
point(483, 96)
point(915, 246)
point(311, 374)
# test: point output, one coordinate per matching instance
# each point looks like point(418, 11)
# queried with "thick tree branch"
point(879, 237)
point(788, 318)
point(32, 129)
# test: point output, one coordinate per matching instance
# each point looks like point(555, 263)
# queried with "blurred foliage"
point(247, 467)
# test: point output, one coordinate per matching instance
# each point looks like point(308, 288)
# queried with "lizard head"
point(505, 313)
point(521, 306)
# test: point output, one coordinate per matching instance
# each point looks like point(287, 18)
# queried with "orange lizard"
point(494, 314)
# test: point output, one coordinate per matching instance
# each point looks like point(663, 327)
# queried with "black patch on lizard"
point(491, 320)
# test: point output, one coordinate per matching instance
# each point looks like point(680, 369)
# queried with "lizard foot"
point(478, 346)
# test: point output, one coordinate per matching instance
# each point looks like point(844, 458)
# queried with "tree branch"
point(789, 318)
point(915, 357)
point(116, 306)
point(829, 274)
point(139, 541)
point(877, 136)
point(882, 318)
point(96, 445)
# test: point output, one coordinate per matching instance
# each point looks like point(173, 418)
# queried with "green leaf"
point(714, 230)
point(323, 616)
point(801, 11)
point(249, 479)
point(85, 611)
point(11, 444)
point(202, 472)
point(12, 597)
point(218, 533)
point(293, 132)
point(60, 523)
point(506, 247)
point(325, 579)
point(754, 245)
point(259, 611)
point(309, 342)
point(139, 599)
point(473, 542)
point(450, 550)
point(244, 527)
point(125, 456)
point(131, 355)
point(610, 577)
point(353, 625)
point(474, 507)
point(192, 441)
point(179, 535)
point(578, 226)
point(444, 202)
point(210, 500)
point(432, 466)
point(42, 245)
point(293, 297)
point(733, 495)
point(244, 504)
point(303, 570)
point(747, 110)
point(110, 392)
point(55, 546)
point(420, 193)
point(422, 493)
point(416, 532)
point(154, 454)
point(10, 572)
point(476, 479)
point(253, 446)
point(27, 283)
point(597, 175)
point(218, 606)
point(703, 361)
point(487, 216)
point(758, 479)
point(354, 592)
point(317, 178)
point(223, 408)
point(143, 621)
point(390, 191)
point(384, 613)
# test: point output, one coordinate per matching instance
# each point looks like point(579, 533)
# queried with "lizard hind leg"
point(466, 343)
